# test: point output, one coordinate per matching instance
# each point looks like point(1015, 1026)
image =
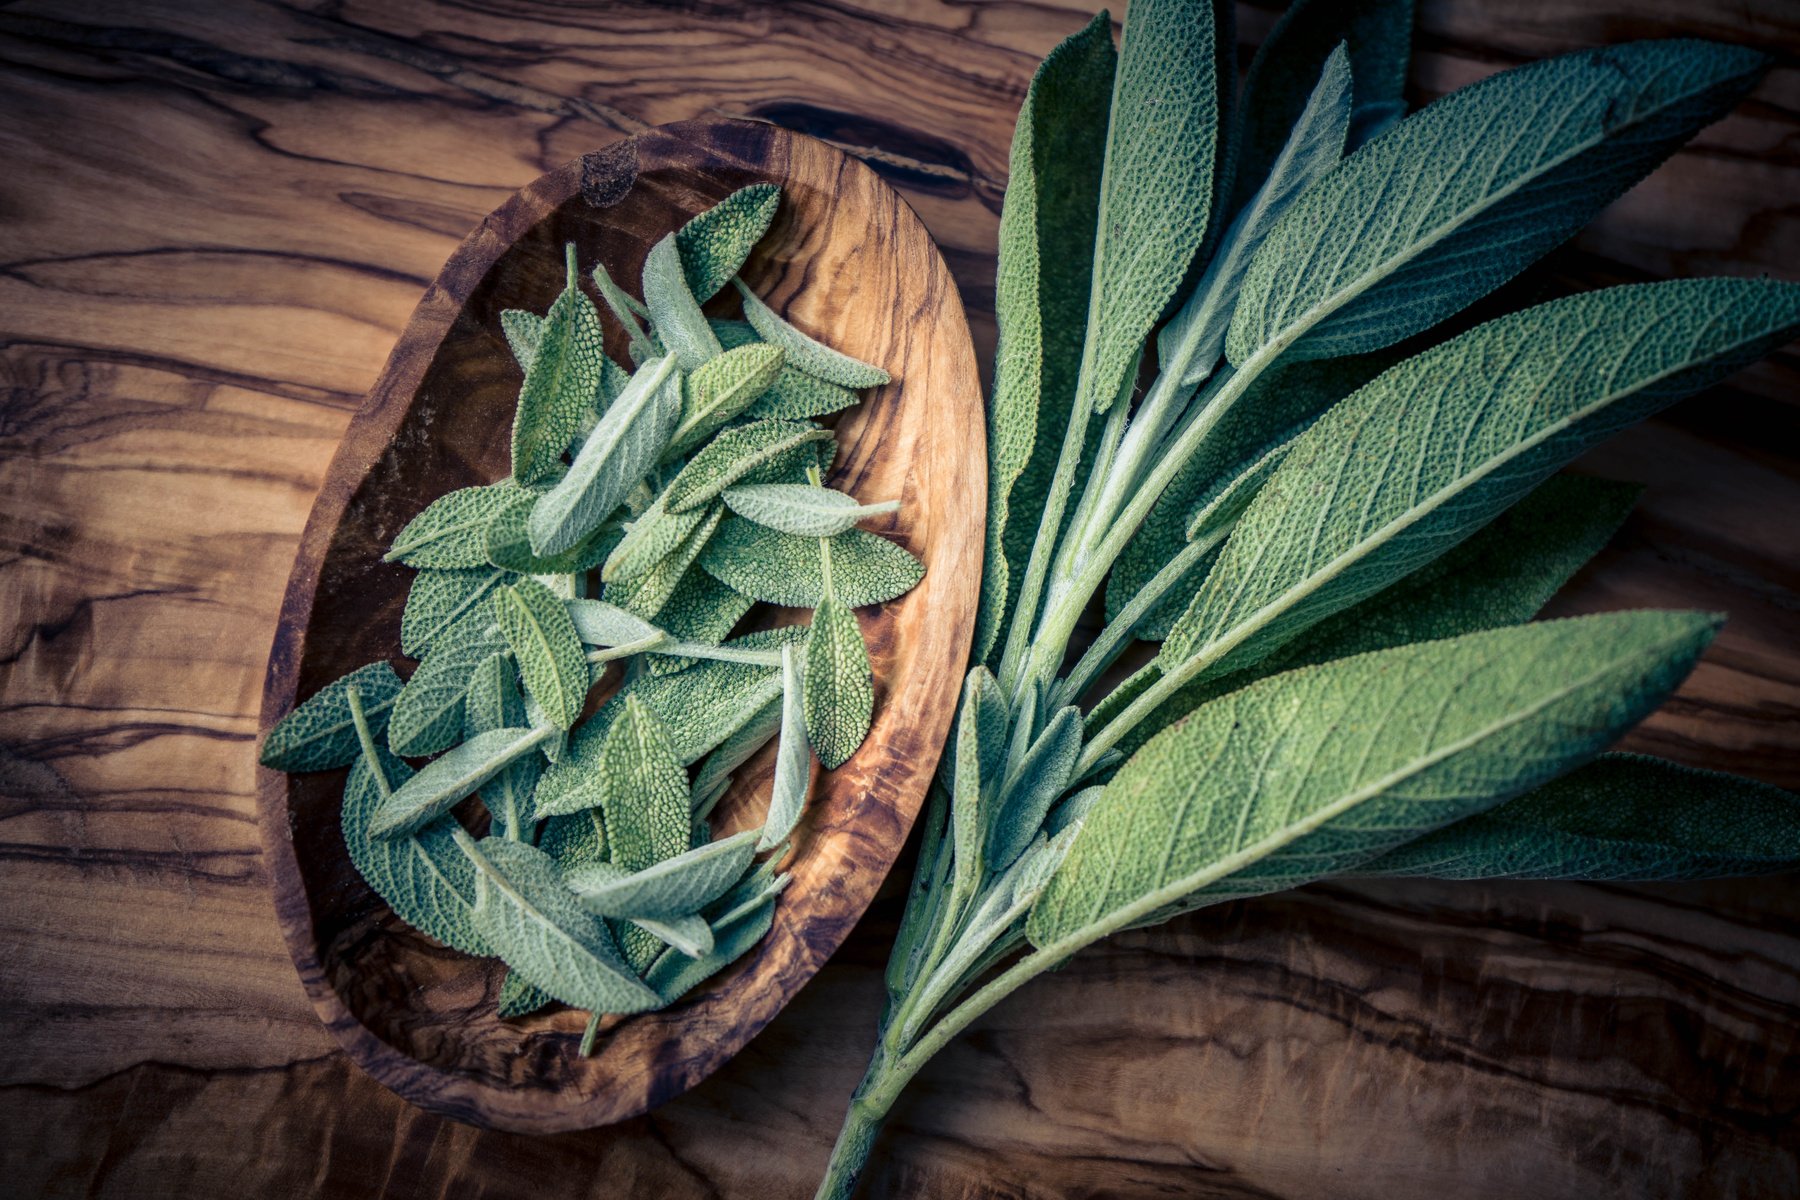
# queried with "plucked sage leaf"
point(451, 776)
point(643, 346)
point(1042, 777)
point(509, 543)
point(646, 789)
point(1518, 162)
point(794, 395)
point(1437, 446)
point(778, 568)
point(424, 878)
point(523, 330)
point(674, 311)
point(575, 840)
point(715, 244)
point(321, 734)
point(804, 352)
point(438, 599)
point(689, 934)
point(721, 389)
point(701, 609)
point(1157, 190)
point(838, 692)
point(1316, 771)
point(1621, 817)
point(428, 713)
point(1502, 575)
point(793, 765)
point(533, 921)
point(649, 539)
point(732, 456)
point(707, 703)
point(1040, 300)
point(519, 997)
point(616, 456)
point(560, 383)
point(493, 702)
point(674, 975)
point(673, 888)
point(547, 648)
point(452, 531)
point(801, 509)
point(598, 623)
point(1378, 36)
point(648, 593)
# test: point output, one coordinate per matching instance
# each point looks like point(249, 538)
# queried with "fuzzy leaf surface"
point(320, 734)
point(715, 244)
point(561, 381)
point(779, 568)
point(804, 352)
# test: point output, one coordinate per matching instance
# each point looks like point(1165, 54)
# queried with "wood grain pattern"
point(214, 222)
point(848, 262)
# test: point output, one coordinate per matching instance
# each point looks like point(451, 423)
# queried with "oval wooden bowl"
point(847, 261)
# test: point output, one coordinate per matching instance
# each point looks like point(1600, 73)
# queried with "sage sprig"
point(598, 882)
point(1337, 522)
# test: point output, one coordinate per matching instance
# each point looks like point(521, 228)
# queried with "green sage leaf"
point(674, 311)
point(804, 352)
point(649, 539)
point(548, 649)
point(838, 694)
point(509, 543)
point(452, 531)
point(450, 777)
point(674, 975)
point(1042, 777)
point(524, 331)
point(614, 459)
point(801, 509)
point(321, 734)
point(525, 913)
point(793, 764)
point(648, 593)
point(673, 888)
point(1317, 771)
point(715, 244)
point(493, 702)
point(428, 714)
point(561, 381)
point(721, 389)
point(439, 599)
point(779, 568)
point(732, 456)
point(1520, 161)
point(1621, 817)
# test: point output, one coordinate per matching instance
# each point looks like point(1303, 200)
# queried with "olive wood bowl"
point(847, 261)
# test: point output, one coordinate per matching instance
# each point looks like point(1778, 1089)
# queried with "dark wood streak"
point(1336, 1042)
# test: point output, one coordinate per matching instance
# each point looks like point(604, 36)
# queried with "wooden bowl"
point(847, 261)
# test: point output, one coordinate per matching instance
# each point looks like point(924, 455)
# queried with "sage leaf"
point(700, 609)
point(543, 640)
point(1520, 161)
point(794, 395)
point(428, 713)
point(1622, 817)
point(1040, 301)
point(493, 702)
point(519, 997)
point(721, 389)
point(1378, 37)
point(509, 543)
point(803, 352)
point(438, 599)
point(668, 890)
point(1042, 777)
point(616, 456)
point(646, 790)
point(447, 779)
point(424, 878)
point(690, 934)
point(1437, 446)
point(801, 509)
point(598, 623)
point(525, 912)
point(648, 593)
point(1502, 575)
point(524, 331)
point(839, 690)
point(321, 734)
point(452, 531)
point(561, 381)
point(735, 751)
point(575, 840)
point(778, 568)
point(707, 703)
point(1317, 771)
point(732, 456)
point(649, 539)
point(643, 346)
point(793, 765)
point(715, 244)
point(674, 311)
point(674, 975)
point(1157, 192)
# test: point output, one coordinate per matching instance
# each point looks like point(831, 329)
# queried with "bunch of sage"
point(685, 490)
point(1323, 521)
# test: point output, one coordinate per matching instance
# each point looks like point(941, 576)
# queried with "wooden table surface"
point(214, 219)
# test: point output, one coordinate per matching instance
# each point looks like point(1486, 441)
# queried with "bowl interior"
point(845, 260)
